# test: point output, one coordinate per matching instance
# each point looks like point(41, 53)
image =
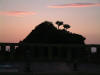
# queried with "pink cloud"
point(16, 13)
point(74, 5)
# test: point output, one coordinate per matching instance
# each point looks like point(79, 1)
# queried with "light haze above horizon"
point(19, 17)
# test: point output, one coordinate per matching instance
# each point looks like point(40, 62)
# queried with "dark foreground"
point(68, 73)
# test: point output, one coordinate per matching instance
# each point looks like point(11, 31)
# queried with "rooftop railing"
point(50, 49)
point(54, 52)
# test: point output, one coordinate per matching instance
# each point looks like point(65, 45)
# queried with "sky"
point(19, 17)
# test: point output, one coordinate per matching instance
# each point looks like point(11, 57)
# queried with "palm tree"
point(66, 26)
point(59, 23)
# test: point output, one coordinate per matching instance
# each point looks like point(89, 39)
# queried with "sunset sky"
point(19, 17)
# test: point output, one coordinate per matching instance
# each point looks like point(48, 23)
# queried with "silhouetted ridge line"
point(47, 33)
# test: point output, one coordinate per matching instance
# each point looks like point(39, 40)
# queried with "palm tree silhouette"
point(59, 23)
point(66, 26)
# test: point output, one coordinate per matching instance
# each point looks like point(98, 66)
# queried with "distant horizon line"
point(85, 43)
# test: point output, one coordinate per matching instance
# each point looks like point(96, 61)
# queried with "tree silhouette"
point(66, 26)
point(59, 23)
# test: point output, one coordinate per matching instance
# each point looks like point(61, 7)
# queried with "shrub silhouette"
point(66, 26)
